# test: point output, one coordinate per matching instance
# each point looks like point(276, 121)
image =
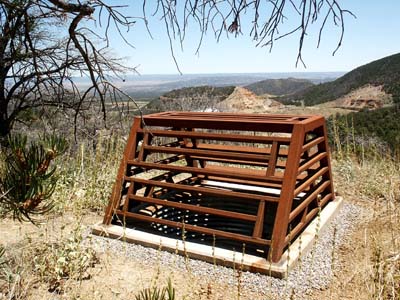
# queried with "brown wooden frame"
point(287, 152)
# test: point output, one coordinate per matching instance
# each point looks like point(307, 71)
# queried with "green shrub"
point(55, 262)
point(28, 178)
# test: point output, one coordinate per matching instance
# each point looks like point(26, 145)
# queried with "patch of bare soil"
point(243, 100)
point(309, 110)
point(366, 97)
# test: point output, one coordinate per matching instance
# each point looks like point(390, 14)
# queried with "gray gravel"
point(313, 272)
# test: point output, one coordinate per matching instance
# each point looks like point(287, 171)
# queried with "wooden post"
point(129, 154)
point(286, 198)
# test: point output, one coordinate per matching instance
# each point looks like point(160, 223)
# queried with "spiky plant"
point(28, 179)
point(2, 251)
point(156, 293)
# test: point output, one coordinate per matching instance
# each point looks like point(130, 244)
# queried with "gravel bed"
point(314, 271)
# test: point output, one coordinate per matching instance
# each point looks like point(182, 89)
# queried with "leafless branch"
point(39, 68)
point(267, 19)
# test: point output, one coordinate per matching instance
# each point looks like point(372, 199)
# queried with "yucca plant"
point(28, 179)
point(156, 293)
point(2, 261)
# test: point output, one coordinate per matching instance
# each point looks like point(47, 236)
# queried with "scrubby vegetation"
point(385, 71)
point(369, 130)
point(199, 98)
point(27, 178)
point(279, 86)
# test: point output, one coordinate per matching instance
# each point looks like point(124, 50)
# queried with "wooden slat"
point(308, 163)
point(219, 136)
point(209, 153)
point(168, 160)
point(196, 208)
point(308, 200)
point(209, 170)
point(258, 227)
point(273, 159)
point(231, 161)
point(189, 180)
point(226, 121)
point(226, 171)
point(203, 190)
point(281, 221)
point(195, 228)
point(235, 148)
point(172, 115)
point(142, 151)
point(312, 143)
point(309, 180)
point(311, 214)
point(279, 164)
point(221, 178)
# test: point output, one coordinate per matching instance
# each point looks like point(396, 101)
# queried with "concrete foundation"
point(302, 245)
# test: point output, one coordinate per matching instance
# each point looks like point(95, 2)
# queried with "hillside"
point(243, 100)
point(208, 98)
point(198, 98)
point(279, 86)
point(385, 72)
point(366, 97)
point(380, 123)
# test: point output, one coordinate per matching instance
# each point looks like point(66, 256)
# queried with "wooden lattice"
point(246, 179)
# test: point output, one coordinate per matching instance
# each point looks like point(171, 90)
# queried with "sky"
point(373, 34)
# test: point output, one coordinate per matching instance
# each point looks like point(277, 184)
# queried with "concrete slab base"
point(301, 246)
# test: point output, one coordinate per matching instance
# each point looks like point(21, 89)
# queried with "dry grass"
point(51, 262)
point(87, 175)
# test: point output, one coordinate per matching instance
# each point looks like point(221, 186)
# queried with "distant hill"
point(279, 86)
point(198, 98)
point(209, 98)
point(244, 100)
point(384, 72)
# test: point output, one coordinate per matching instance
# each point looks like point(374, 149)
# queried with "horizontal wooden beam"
point(308, 200)
point(262, 139)
point(312, 161)
point(211, 170)
point(195, 228)
point(210, 153)
point(310, 215)
point(196, 208)
point(309, 180)
point(205, 190)
point(312, 143)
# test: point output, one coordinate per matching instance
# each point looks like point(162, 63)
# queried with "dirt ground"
point(117, 277)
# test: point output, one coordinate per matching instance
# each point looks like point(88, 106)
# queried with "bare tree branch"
point(268, 19)
point(46, 44)
point(38, 66)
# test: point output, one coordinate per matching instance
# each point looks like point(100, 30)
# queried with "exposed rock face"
point(364, 103)
point(244, 100)
point(365, 97)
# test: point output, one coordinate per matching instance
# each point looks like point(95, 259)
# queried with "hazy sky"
point(372, 35)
